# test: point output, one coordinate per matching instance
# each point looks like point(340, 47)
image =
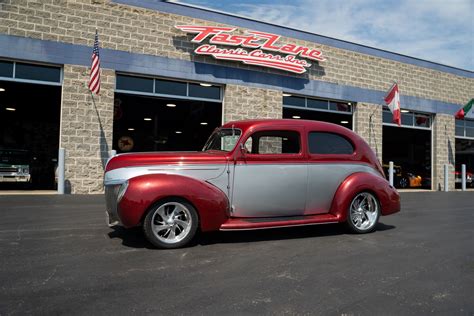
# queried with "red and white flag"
point(392, 99)
point(94, 80)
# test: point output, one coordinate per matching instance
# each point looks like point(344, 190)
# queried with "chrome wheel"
point(403, 182)
point(171, 222)
point(364, 212)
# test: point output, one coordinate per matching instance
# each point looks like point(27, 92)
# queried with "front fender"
point(144, 191)
point(388, 197)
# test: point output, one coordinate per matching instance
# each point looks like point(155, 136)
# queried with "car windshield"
point(223, 139)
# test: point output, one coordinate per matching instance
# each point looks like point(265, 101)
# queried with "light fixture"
point(131, 129)
point(404, 111)
point(296, 117)
point(2, 89)
point(147, 119)
point(203, 123)
point(349, 103)
point(10, 109)
point(171, 105)
point(178, 132)
point(344, 122)
point(205, 84)
point(286, 95)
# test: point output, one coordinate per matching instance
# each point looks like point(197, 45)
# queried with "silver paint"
point(323, 181)
point(264, 190)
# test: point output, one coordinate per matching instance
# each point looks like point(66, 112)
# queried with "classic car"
point(251, 174)
point(14, 165)
point(403, 179)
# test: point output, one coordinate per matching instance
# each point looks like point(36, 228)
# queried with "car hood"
point(199, 165)
point(177, 158)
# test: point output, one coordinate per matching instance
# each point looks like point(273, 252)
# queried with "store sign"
point(251, 48)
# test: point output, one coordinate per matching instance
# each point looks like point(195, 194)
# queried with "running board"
point(276, 222)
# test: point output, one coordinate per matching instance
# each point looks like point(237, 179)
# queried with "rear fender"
point(146, 190)
point(388, 197)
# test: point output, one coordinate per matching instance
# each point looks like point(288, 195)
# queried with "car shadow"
point(135, 238)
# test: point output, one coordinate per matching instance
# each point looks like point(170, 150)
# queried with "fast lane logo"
point(257, 42)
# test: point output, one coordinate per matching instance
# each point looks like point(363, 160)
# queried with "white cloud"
point(436, 30)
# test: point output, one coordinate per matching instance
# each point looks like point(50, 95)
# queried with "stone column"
point(368, 124)
point(444, 150)
point(86, 129)
point(243, 102)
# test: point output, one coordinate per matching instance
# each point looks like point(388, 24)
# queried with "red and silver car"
point(252, 174)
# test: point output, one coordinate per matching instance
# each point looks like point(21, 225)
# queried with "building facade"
point(163, 88)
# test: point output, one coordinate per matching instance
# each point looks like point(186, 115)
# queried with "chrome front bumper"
point(15, 177)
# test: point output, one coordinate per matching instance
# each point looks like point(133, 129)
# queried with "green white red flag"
point(463, 111)
point(392, 99)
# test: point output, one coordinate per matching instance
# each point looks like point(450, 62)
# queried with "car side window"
point(273, 142)
point(329, 143)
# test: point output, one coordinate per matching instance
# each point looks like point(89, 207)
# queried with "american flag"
point(94, 81)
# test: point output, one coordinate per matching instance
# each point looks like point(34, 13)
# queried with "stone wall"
point(86, 129)
point(444, 150)
point(133, 29)
point(368, 124)
point(242, 102)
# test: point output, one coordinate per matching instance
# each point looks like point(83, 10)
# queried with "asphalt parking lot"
point(59, 257)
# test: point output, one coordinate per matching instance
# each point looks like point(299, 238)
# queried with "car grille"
point(9, 169)
point(111, 193)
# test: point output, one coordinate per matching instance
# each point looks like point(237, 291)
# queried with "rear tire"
point(363, 213)
point(171, 224)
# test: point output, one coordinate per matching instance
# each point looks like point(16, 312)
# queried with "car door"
point(330, 162)
point(270, 175)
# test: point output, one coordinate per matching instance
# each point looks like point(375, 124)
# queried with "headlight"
point(26, 170)
point(122, 190)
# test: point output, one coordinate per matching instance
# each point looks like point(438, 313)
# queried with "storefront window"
point(339, 106)
point(422, 120)
point(207, 92)
point(318, 104)
point(37, 72)
point(134, 83)
point(408, 119)
point(6, 69)
point(465, 128)
point(459, 127)
point(170, 87)
point(294, 101)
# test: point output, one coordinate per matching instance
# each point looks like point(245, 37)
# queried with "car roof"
point(308, 124)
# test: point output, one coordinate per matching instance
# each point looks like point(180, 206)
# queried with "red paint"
point(388, 196)
point(213, 205)
point(157, 158)
point(254, 40)
point(243, 224)
point(144, 191)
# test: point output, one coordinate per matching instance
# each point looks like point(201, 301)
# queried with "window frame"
point(283, 156)
point(154, 93)
point(34, 81)
point(463, 136)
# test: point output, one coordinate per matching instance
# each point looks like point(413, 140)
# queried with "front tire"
point(171, 224)
point(364, 213)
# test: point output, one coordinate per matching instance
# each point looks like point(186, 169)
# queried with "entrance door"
point(271, 179)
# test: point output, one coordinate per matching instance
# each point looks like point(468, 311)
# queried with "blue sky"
point(437, 30)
